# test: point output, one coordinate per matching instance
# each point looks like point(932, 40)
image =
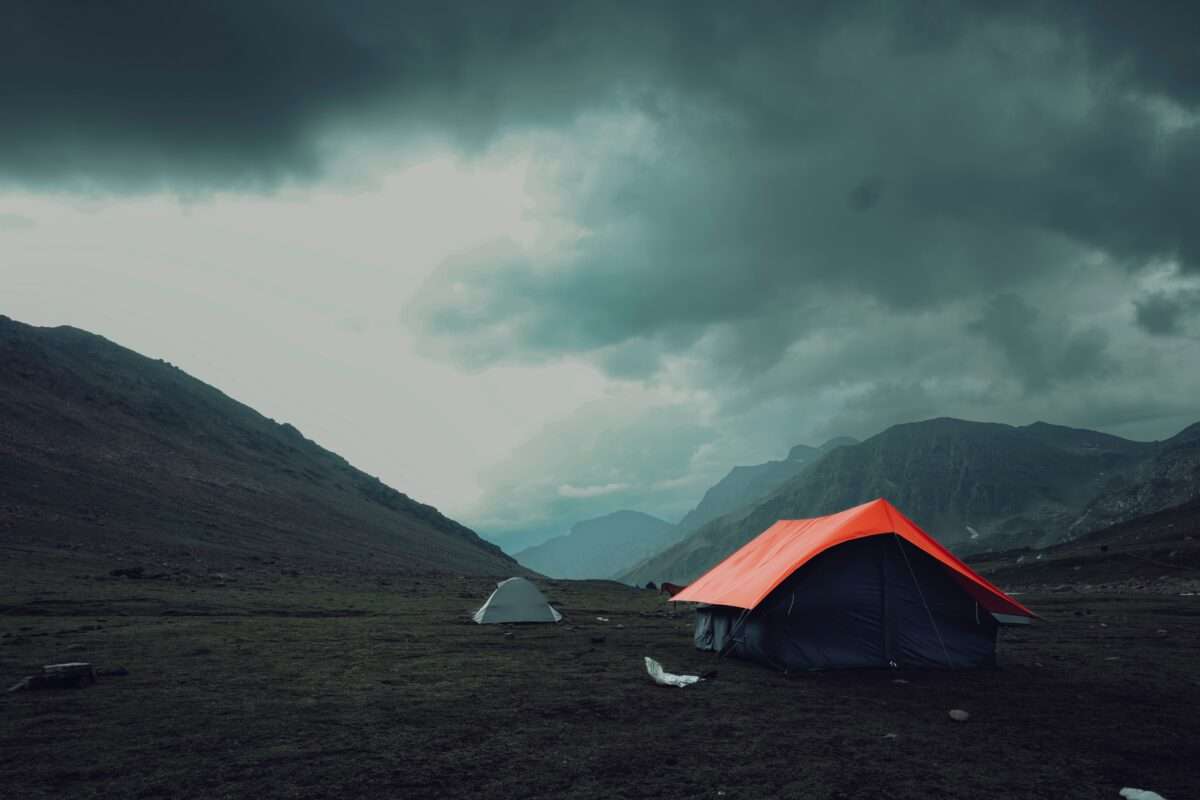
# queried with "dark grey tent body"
point(877, 601)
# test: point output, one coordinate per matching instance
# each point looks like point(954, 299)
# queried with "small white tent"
point(516, 600)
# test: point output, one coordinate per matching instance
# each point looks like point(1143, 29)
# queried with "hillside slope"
point(745, 485)
point(601, 547)
point(1158, 552)
point(111, 455)
point(974, 485)
point(1169, 478)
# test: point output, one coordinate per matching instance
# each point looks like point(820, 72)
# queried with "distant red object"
point(671, 589)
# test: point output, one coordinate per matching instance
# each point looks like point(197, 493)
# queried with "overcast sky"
point(534, 262)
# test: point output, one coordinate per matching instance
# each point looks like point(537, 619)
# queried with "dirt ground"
point(265, 686)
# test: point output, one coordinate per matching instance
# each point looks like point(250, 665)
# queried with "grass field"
point(263, 685)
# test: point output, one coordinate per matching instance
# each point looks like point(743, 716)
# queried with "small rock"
point(899, 681)
point(889, 736)
point(958, 715)
point(1130, 793)
point(508, 634)
point(598, 639)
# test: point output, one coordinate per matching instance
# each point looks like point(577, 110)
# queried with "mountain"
point(514, 541)
point(541, 549)
point(1169, 477)
point(1158, 551)
point(109, 455)
point(744, 485)
point(601, 547)
point(974, 485)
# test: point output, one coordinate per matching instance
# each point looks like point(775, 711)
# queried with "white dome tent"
point(516, 600)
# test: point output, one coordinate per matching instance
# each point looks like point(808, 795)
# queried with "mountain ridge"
point(600, 547)
point(94, 436)
point(969, 483)
point(743, 485)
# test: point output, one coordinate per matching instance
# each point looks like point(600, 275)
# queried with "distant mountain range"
point(109, 455)
point(601, 547)
point(976, 486)
point(610, 545)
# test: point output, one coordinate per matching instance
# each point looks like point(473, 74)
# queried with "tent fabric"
point(516, 600)
point(873, 602)
point(748, 576)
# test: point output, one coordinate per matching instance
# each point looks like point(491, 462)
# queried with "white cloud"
point(567, 490)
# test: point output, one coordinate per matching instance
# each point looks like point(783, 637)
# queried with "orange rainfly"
point(749, 575)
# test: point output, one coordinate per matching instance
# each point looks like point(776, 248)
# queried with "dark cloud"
point(1041, 351)
point(866, 195)
point(1007, 149)
point(1164, 313)
point(131, 94)
point(134, 95)
point(1151, 44)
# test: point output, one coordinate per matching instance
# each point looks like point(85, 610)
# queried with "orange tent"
point(746, 577)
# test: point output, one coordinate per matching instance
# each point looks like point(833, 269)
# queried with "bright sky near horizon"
point(293, 303)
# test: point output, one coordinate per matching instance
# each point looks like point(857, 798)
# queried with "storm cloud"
point(791, 220)
point(1166, 313)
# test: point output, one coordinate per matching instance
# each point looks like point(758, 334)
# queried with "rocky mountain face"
point(975, 486)
point(1157, 552)
point(745, 485)
point(109, 454)
point(601, 547)
point(1171, 476)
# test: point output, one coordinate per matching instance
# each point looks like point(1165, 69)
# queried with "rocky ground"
point(262, 684)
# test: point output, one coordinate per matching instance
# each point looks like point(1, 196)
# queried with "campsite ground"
point(266, 685)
